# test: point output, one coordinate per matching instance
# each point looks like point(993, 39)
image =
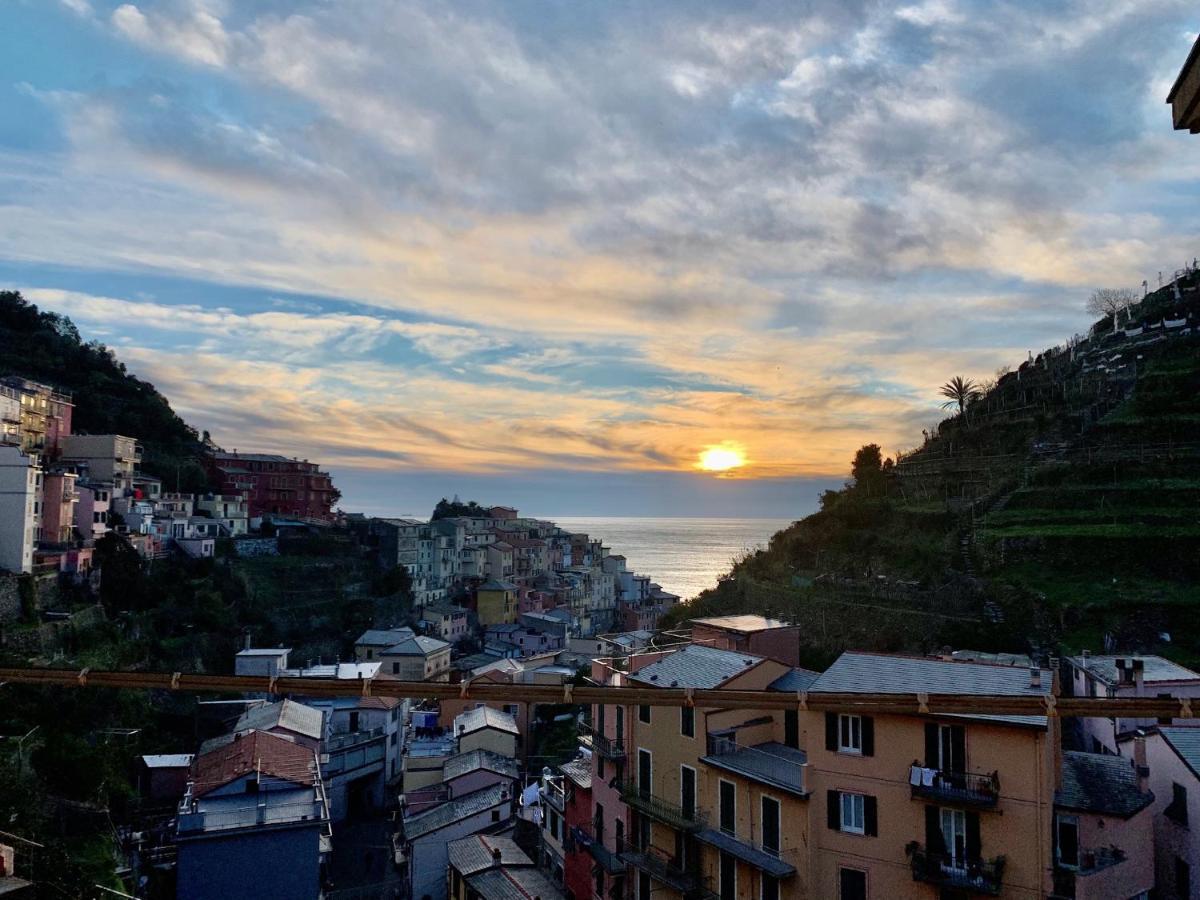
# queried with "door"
point(687, 790)
point(954, 836)
point(852, 884)
point(770, 825)
point(644, 773)
point(727, 810)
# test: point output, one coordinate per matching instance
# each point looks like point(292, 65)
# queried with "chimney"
point(1087, 654)
point(496, 855)
point(1139, 676)
point(1123, 676)
point(1139, 762)
point(1035, 676)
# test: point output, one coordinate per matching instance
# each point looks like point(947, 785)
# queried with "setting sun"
point(721, 459)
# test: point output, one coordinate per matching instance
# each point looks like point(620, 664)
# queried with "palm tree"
point(961, 391)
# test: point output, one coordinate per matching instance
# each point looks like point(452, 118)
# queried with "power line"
point(900, 703)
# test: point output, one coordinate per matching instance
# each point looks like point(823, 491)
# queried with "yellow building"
point(496, 603)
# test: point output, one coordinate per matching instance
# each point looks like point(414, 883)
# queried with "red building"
point(274, 486)
point(578, 824)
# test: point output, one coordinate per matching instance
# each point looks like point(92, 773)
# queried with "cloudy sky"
point(547, 252)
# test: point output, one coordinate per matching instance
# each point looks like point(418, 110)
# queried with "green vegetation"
point(446, 509)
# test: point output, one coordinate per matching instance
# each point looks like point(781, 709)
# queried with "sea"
point(684, 555)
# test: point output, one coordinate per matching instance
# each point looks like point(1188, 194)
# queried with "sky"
point(547, 253)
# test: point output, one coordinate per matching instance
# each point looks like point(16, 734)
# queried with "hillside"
point(46, 347)
point(1059, 511)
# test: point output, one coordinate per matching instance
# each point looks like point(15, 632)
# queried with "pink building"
point(750, 634)
point(58, 508)
point(91, 512)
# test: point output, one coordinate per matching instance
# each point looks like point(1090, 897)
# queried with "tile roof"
point(420, 645)
point(484, 717)
point(1185, 741)
point(1156, 668)
point(881, 673)
point(1100, 783)
point(514, 884)
point(455, 810)
point(286, 714)
point(795, 680)
point(476, 853)
point(259, 751)
point(695, 666)
point(384, 637)
point(579, 771)
point(474, 760)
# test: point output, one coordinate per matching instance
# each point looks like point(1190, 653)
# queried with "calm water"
point(684, 555)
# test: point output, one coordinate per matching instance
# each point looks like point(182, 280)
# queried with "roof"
point(882, 673)
point(525, 883)
point(494, 665)
point(1185, 741)
point(746, 624)
point(445, 609)
point(474, 760)
point(1155, 668)
point(258, 751)
point(484, 717)
point(167, 760)
point(493, 584)
point(726, 843)
point(455, 810)
point(795, 680)
point(383, 637)
point(265, 651)
point(1100, 783)
point(579, 771)
point(286, 714)
point(255, 457)
point(419, 645)
point(696, 666)
point(477, 853)
point(770, 763)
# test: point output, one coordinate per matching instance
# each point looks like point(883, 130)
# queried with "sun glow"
point(721, 459)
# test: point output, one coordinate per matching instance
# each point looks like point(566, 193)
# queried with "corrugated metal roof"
point(696, 666)
point(1185, 741)
point(880, 673)
point(1101, 783)
point(167, 760)
point(477, 853)
point(286, 714)
point(455, 810)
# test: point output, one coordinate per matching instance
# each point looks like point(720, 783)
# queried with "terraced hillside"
point(1060, 510)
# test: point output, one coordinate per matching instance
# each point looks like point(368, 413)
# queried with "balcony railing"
point(975, 876)
point(609, 748)
point(1090, 862)
point(957, 788)
point(673, 814)
point(587, 837)
point(780, 766)
point(665, 869)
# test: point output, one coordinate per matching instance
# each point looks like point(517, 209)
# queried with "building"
point(36, 417)
point(108, 457)
point(231, 510)
point(374, 641)
point(445, 621)
point(484, 728)
point(578, 878)
point(750, 634)
point(496, 602)
point(163, 777)
point(426, 836)
point(253, 823)
point(418, 658)
point(301, 724)
point(12, 886)
point(274, 485)
point(481, 853)
point(952, 803)
point(267, 662)
point(1185, 93)
point(1103, 827)
point(57, 524)
point(20, 485)
point(1109, 675)
point(91, 512)
point(1173, 760)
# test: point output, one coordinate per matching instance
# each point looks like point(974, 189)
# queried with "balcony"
point(775, 862)
point(1069, 881)
point(975, 876)
point(955, 788)
point(609, 748)
point(585, 837)
point(662, 810)
point(665, 869)
point(770, 763)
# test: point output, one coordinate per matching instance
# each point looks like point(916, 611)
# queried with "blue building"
point(254, 823)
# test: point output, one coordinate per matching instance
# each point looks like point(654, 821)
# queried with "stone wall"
point(10, 599)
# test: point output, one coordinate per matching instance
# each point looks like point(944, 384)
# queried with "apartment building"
point(34, 416)
point(418, 658)
point(20, 487)
point(496, 601)
point(59, 497)
point(231, 510)
point(274, 485)
point(108, 457)
point(446, 621)
point(749, 633)
point(91, 512)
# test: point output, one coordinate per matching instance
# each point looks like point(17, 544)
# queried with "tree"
point(961, 391)
point(122, 576)
point(867, 469)
point(1105, 302)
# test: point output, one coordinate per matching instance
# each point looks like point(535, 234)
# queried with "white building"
point(20, 485)
point(109, 457)
point(231, 510)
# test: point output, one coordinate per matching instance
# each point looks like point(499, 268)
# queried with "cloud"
point(196, 34)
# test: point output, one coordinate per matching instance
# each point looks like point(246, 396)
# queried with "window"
point(945, 747)
point(395, 668)
point(770, 825)
point(769, 889)
point(1183, 878)
point(852, 813)
point(599, 882)
point(687, 721)
point(728, 804)
point(850, 734)
point(852, 884)
point(954, 836)
point(644, 713)
point(687, 790)
point(645, 772)
point(1066, 837)
point(495, 815)
point(1177, 809)
point(728, 877)
point(791, 728)
point(643, 884)
point(354, 720)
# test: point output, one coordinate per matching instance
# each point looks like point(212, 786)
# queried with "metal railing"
point(592, 840)
point(754, 762)
point(979, 876)
point(666, 869)
point(645, 802)
point(610, 748)
point(962, 788)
